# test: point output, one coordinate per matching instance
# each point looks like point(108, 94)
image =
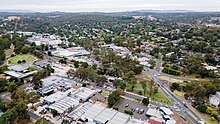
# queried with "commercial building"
point(54, 82)
point(83, 94)
point(119, 118)
point(78, 112)
point(105, 116)
point(92, 112)
point(20, 70)
point(99, 114)
point(65, 105)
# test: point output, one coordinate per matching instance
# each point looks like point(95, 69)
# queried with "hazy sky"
point(109, 5)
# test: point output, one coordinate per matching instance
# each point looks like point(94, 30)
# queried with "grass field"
point(28, 58)
point(159, 97)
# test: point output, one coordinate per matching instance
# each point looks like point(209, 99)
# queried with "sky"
point(109, 5)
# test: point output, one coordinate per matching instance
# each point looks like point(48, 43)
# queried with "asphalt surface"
point(179, 103)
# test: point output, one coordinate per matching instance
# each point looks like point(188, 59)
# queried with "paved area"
point(132, 106)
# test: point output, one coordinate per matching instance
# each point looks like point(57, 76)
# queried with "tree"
point(76, 64)
point(12, 87)
point(202, 108)
point(41, 121)
point(84, 65)
point(84, 85)
point(114, 97)
point(32, 97)
point(9, 117)
point(21, 109)
point(214, 113)
point(144, 86)
point(119, 84)
point(152, 88)
point(54, 112)
point(175, 86)
point(209, 110)
point(145, 101)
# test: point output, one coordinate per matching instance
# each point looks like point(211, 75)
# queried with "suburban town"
point(135, 67)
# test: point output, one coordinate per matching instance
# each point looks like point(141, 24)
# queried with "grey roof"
point(20, 67)
point(105, 116)
point(119, 118)
point(92, 112)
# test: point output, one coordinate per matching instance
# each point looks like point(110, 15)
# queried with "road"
point(178, 103)
point(173, 98)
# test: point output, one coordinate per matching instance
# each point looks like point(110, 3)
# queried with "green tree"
point(144, 86)
point(202, 108)
point(12, 87)
point(145, 101)
point(54, 112)
point(114, 97)
point(41, 121)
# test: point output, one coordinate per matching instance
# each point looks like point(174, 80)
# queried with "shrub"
point(212, 119)
point(115, 108)
point(23, 61)
point(19, 62)
point(128, 112)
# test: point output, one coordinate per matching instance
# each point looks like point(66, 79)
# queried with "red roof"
point(150, 121)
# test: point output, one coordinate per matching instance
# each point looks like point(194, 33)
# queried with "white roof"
point(136, 121)
point(214, 100)
point(50, 80)
point(13, 73)
point(92, 112)
point(105, 115)
point(172, 121)
point(119, 118)
point(56, 96)
point(64, 104)
point(83, 93)
point(167, 111)
point(19, 67)
point(153, 112)
point(80, 110)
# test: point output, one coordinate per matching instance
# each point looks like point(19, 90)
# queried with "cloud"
point(110, 5)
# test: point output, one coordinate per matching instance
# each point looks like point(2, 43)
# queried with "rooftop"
point(105, 115)
point(92, 112)
point(119, 118)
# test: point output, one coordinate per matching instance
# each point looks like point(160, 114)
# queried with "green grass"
point(28, 58)
point(104, 93)
point(159, 97)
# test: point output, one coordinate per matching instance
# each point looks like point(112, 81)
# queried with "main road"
point(179, 103)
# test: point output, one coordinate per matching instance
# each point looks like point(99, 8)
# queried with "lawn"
point(15, 59)
point(159, 97)
point(104, 93)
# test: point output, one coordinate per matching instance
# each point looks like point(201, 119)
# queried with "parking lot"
point(133, 106)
